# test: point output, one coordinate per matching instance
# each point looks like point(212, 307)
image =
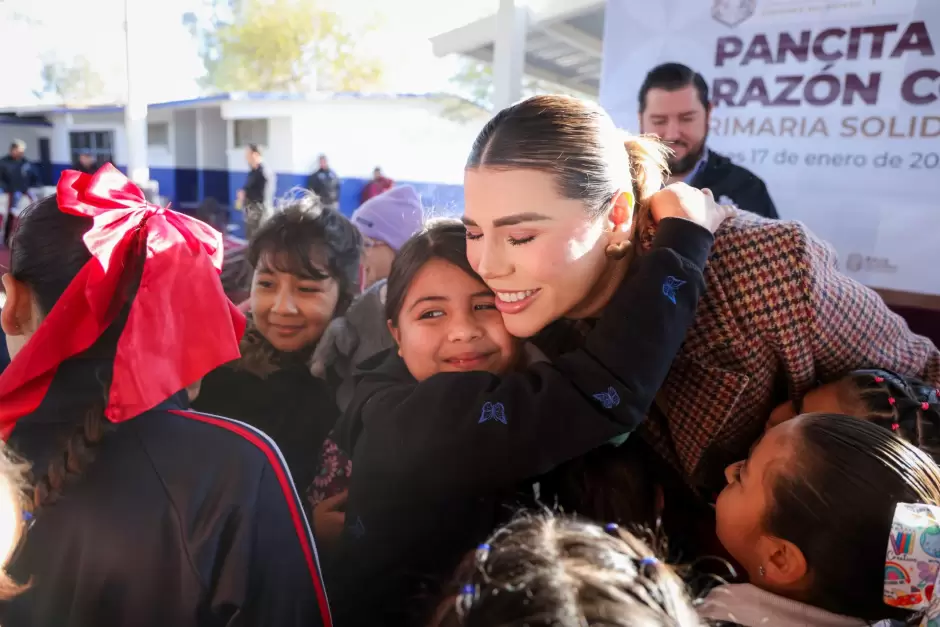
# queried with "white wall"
point(162, 156)
point(213, 138)
point(278, 151)
point(185, 138)
point(407, 137)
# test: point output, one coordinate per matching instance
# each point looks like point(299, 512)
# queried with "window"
point(96, 143)
point(251, 132)
point(158, 135)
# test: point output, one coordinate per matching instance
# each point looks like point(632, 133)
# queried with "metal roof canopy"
point(563, 43)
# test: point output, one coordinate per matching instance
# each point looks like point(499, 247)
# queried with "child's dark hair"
point(546, 570)
point(835, 499)
point(47, 253)
point(287, 240)
point(443, 239)
point(907, 406)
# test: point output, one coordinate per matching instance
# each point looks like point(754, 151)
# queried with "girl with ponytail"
point(819, 517)
point(141, 513)
point(556, 211)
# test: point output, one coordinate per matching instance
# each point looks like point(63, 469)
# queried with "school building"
point(196, 148)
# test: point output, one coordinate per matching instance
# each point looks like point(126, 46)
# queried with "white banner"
point(834, 103)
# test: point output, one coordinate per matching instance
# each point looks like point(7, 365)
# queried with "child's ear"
point(786, 565)
point(395, 333)
point(17, 312)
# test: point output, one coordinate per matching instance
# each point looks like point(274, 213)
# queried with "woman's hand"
point(682, 201)
point(329, 516)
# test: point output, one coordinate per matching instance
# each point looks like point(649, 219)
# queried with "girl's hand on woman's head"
point(682, 201)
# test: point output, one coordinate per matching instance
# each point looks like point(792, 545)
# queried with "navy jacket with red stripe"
point(181, 519)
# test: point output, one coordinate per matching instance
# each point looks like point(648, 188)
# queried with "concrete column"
point(136, 37)
point(509, 53)
point(200, 156)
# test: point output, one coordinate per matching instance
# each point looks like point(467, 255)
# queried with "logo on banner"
point(733, 12)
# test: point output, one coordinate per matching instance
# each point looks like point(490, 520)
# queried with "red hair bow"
point(180, 325)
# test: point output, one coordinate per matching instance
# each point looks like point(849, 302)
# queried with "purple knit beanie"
point(391, 217)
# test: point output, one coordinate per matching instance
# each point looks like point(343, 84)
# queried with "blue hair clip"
point(483, 552)
point(649, 561)
point(468, 594)
point(611, 527)
point(27, 516)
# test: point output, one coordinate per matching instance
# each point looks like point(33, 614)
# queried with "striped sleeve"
point(283, 553)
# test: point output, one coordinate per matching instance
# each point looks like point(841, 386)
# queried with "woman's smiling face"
point(292, 311)
point(542, 254)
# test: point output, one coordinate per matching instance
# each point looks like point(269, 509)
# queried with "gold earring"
point(618, 251)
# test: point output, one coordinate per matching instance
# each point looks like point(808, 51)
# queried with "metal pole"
point(509, 53)
point(135, 108)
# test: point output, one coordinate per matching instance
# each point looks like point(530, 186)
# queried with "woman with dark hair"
point(306, 262)
point(553, 237)
point(142, 513)
point(810, 515)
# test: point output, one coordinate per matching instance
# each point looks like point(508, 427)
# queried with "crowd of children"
point(588, 402)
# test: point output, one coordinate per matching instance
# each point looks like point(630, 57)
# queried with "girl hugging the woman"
point(454, 428)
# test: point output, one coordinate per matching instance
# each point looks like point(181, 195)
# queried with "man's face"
point(678, 118)
point(377, 174)
point(16, 152)
point(324, 165)
point(86, 160)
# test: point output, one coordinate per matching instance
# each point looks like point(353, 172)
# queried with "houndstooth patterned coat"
point(775, 310)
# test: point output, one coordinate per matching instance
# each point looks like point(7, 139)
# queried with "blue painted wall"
point(184, 186)
point(439, 199)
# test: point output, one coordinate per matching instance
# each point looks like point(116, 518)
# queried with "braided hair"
point(48, 251)
point(907, 406)
point(546, 570)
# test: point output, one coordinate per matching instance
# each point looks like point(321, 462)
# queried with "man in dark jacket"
point(674, 105)
point(17, 176)
point(256, 183)
point(325, 184)
point(251, 197)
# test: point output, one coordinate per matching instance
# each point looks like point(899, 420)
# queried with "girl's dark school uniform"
point(181, 519)
point(436, 462)
point(275, 392)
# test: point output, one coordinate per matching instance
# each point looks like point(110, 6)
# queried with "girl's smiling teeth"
point(511, 297)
